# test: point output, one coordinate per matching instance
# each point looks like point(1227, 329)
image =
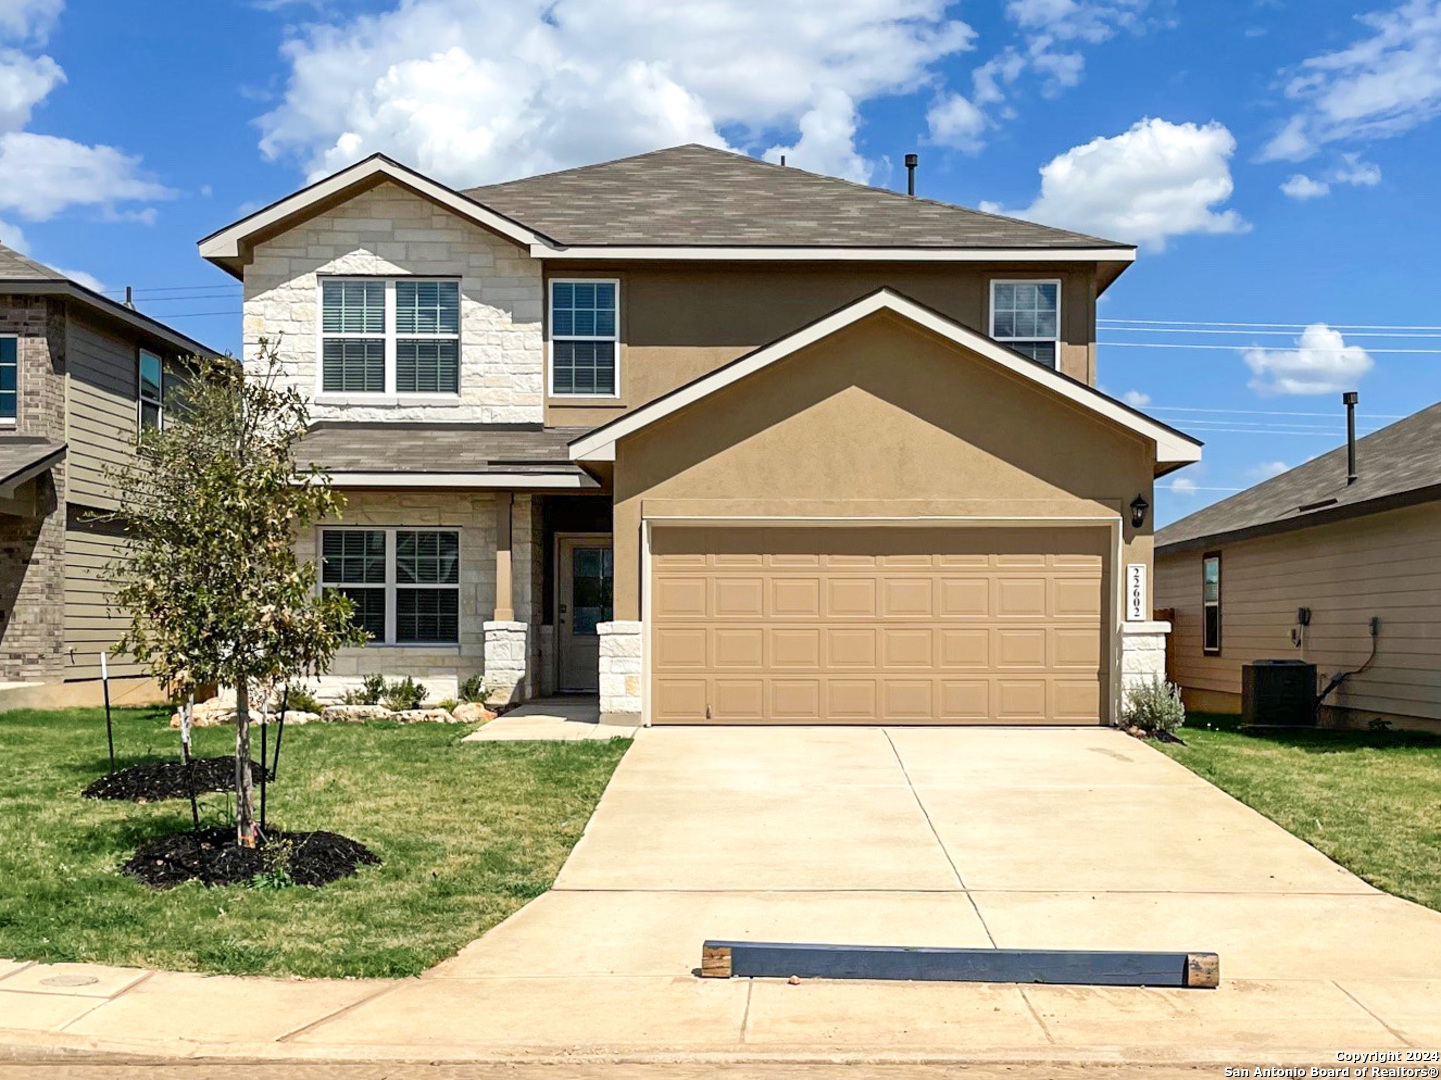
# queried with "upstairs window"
point(390, 336)
point(584, 338)
point(1026, 315)
point(9, 378)
point(152, 391)
point(1211, 603)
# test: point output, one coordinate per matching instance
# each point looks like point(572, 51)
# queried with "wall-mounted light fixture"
point(1139, 506)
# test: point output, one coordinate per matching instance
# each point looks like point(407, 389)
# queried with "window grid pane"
point(427, 615)
point(427, 367)
point(427, 558)
point(353, 307)
point(369, 612)
point(584, 367)
point(151, 376)
point(354, 366)
point(427, 307)
point(9, 377)
point(1025, 316)
point(353, 557)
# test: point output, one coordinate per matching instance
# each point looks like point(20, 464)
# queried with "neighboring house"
point(717, 439)
point(1238, 574)
point(79, 375)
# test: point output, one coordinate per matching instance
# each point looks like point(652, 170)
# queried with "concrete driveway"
point(1075, 838)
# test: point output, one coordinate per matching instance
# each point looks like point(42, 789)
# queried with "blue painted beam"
point(755, 959)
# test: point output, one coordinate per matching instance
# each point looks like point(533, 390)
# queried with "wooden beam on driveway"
point(755, 959)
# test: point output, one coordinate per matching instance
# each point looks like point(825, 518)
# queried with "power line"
point(1259, 326)
point(1252, 333)
point(1263, 412)
point(1240, 348)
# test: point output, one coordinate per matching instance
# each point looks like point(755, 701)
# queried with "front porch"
point(457, 585)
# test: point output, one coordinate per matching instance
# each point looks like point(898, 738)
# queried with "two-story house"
point(719, 440)
point(80, 376)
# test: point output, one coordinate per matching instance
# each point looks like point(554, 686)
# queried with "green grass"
point(1369, 800)
point(468, 833)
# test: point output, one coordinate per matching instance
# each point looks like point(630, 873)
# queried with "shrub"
point(372, 688)
point(448, 704)
point(1154, 706)
point(402, 694)
point(299, 699)
point(473, 689)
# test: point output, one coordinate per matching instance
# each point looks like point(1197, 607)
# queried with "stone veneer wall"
point(620, 670)
point(32, 545)
point(440, 668)
point(389, 231)
point(1143, 655)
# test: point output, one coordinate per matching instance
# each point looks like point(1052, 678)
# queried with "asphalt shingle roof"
point(18, 453)
point(1399, 460)
point(438, 448)
point(17, 267)
point(699, 196)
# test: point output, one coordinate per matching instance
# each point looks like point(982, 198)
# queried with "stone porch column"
point(1143, 655)
point(620, 672)
point(506, 639)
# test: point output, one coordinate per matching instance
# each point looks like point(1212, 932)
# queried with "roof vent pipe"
point(1350, 398)
point(912, 160)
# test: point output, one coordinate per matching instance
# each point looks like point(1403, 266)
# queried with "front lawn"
point(1369, 800)
point(467, 833)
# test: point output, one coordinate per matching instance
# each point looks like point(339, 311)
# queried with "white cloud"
point(28, 20)
point(956, 122)
point(1382, 85)
point(24, 83)
point(1183, 486)
point(1301, 186)
point(46, 174)
point(12, 237)
point(1146, 185)
point(1136, 399)
point(472, 91)
point(90, 281)
point(1267, 469)
point(1322, 363)
point(1352, 171)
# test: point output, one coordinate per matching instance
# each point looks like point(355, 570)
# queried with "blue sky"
point(1275, 159)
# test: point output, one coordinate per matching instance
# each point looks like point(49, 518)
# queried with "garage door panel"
point(848, 647)
point(796, 648)
point(867, 625)
point(738, 647)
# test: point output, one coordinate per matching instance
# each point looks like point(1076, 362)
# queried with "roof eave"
point(1173, 448)
point(1118, 257)
point(112, 309)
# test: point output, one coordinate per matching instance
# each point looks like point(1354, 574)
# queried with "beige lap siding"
point(1386, 565)
point(441, 667)
point(388, 231)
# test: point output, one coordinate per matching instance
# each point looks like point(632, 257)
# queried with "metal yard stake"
point(109, 730)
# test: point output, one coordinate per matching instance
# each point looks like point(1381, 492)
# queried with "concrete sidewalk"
point(1078, 838)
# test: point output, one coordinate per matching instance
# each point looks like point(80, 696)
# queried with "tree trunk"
point(244, 782)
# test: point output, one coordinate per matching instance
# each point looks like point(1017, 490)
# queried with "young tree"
point(214, 589)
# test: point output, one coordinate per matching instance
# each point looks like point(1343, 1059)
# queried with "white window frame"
point(12, 421)
point(140, 399)
point(1009, 341)
point(388, 394)
point(550, 285)
point(391, 586)
point(1207, 648)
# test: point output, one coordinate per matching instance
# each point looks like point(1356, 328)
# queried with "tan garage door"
point(860, 625)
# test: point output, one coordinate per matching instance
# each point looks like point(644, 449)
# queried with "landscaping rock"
point(355, 714)
point(473, 712)
point(291, 717)
point(422, 716)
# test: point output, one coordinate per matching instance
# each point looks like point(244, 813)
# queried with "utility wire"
point(1260, 326)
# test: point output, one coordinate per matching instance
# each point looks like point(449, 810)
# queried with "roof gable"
point(1399, 461)
point(699, 196)
point(1173, 448)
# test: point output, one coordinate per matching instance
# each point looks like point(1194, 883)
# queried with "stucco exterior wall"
point(679, 321)
point(1386, 565)
point(389, 231)
point(880, 420)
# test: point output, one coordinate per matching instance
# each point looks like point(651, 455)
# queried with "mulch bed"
point(166, 780)
point(211, 856)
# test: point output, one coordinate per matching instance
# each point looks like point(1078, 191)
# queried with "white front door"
point(583, 600)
